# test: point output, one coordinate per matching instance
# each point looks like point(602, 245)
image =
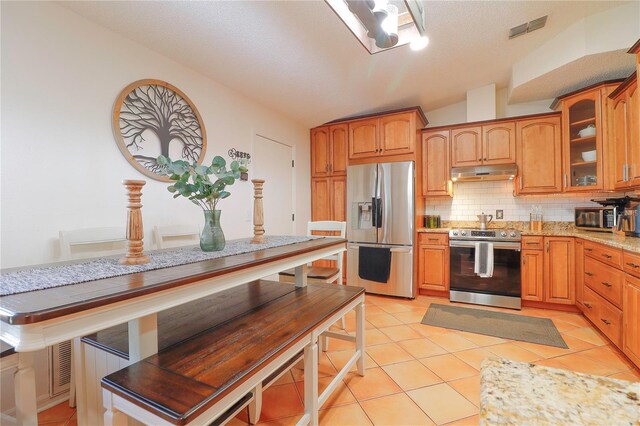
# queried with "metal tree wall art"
point(153, 118)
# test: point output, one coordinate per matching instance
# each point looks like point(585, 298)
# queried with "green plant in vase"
point(193, 181)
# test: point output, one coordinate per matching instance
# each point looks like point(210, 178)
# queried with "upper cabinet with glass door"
point(584, 136)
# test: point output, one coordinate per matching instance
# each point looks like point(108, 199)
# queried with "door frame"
point(257, 134)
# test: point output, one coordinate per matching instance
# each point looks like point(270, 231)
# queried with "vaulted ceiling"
point(298, 58)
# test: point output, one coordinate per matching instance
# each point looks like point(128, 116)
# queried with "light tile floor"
point(418, 374)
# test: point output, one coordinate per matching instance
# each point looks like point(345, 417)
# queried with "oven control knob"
point(512, 235)
point(503, 234)
point(463, 233)
point(455, 233)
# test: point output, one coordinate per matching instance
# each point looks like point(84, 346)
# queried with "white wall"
point(481, 103)
point(472, 198)
point(457, 113)
point(60, 166)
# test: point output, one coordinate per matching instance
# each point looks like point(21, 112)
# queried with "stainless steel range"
point(485, 267)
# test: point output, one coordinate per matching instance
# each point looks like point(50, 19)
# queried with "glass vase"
point(212, 237)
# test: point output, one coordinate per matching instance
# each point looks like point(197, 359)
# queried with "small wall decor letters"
point(244, 158)
point(152, 118)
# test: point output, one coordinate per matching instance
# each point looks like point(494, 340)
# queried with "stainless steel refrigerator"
point(380, 203)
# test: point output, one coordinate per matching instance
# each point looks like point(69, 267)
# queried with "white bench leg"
point(77, 349)
point(311, 382)
point(255, 407)
point(112, 416)
point(360, 337)
point(25, 390)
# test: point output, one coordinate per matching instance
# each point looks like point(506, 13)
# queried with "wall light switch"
point(499, 214)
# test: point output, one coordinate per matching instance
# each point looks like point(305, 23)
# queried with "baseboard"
point(44, 402)
point(434, 293)
point(551, 306)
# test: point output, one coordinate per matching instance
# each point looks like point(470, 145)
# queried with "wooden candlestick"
point(135, 233)
point(258, 212)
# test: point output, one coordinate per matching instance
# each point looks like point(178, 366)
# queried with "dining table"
point(39, 318)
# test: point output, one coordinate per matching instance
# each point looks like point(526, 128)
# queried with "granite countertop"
point(516, 393)
point(559, 229)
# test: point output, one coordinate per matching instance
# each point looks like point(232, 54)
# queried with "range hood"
point(482, 173)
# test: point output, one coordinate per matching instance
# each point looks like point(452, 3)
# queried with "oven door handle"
point(497, 245)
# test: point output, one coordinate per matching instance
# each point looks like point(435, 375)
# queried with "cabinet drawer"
point(604, 315)
point(605, 280)
point(632, 263)
point(609, 255)
point(533, 243)
point(436, 239)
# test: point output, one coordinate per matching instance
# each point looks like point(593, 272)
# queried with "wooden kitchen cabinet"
point(321, 199)
point(433, 261)
point(436, 171)
point(580, 274)
point(499, 143)
point(364, 138)
point(559, 270)
point(466, 146)
point(631, 319)
point(539, 155)
point(489, 144)
point(398, 134)
point(386, 136)
point(625, 123)
point(532, 275)
point(329, 150)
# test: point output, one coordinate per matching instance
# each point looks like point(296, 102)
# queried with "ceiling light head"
point(388, 37)
point(419, 43)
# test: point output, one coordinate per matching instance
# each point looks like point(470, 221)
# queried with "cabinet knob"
point(605, 321)
point(607, 256)
point(588, 305)
point(633, 265)
point(588, 273)
point(606, 284)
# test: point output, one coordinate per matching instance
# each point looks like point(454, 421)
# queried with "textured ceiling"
point(298, 58)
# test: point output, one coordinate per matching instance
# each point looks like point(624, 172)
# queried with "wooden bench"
point(229, 356)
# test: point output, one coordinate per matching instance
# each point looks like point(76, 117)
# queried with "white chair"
point(322, 274)
point(175, 235)
point(86, 243)
point(92, 242)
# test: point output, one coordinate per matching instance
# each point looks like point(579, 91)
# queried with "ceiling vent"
point(528, 27)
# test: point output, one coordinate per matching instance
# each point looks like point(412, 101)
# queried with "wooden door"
point(499, 143)
point(580, 273)
point(338, 198)
point(633, 135)
point(631, 319)
point(320, 199)
point(398, 134)
point(539, 155)
point(466, 147)
point(559, 267)
point(435, 164)
point(619, 120)
point(363, 138)
point(320, 149)
point(433, 262)
point(532, 275)
point(339, 137)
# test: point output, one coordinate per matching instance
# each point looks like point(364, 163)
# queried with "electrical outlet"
point(499, 214)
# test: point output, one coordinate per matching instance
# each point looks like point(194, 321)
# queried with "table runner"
point(96, 269)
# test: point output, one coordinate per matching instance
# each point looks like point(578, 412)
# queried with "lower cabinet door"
point(559, 270)
point(434, 267)
point(580, 274)
point(631, 319)
point(532, 275)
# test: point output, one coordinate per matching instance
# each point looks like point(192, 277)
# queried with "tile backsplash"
point(472, 198)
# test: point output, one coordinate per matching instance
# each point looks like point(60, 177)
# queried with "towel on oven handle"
point(483, 266)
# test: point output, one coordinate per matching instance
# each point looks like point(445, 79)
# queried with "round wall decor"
point(152, 118)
